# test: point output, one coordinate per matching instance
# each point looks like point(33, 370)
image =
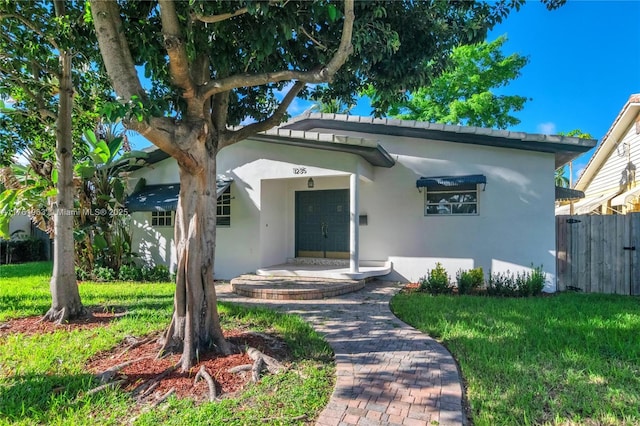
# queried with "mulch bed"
point(146, 366)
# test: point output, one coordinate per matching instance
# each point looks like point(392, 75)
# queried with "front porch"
point(308, 278)
point(335, 269)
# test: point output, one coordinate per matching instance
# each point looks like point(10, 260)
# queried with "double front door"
point(322, 223)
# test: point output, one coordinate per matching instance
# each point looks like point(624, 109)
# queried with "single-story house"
point(609, 181)
point(402, 195)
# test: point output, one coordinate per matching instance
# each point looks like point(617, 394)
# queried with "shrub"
point(501, 284)
point(81, 274)
point(469, 280)
point(25, 249)
point(102, 273)
point(529, 283)
point(156, 273)
point(436, 281)
point(533, 282)
point(130, 273)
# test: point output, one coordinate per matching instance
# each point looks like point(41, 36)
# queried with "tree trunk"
point(65, 296)
point(195, 325)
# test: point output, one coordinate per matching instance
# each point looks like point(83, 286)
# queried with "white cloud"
point(298, 106)
point(547, 128)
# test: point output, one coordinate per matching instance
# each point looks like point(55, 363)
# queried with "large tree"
point(213, 64)
point(39, 42)
point(467, 92)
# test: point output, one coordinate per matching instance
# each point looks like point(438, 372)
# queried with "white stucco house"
point(399, 195)
point(610, 181)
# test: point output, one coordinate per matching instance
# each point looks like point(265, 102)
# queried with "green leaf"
point(99, 242)
point(4, 227)
point(114, 146)
point(118, 190)
point(90, 136)
point(332, 10)
point(54, 176)
point(85, 171)
point(51, 192)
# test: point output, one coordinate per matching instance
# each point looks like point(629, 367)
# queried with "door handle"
point(629, 248)
point(324, 228)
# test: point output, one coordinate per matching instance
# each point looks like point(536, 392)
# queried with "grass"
point(42, 377)
point(566, 359)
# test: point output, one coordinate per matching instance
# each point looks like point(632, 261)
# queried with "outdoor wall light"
point(310, 183)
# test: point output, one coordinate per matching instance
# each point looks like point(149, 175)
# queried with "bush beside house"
point(503, 284)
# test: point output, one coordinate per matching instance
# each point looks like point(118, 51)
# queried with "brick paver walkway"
point(388, 373)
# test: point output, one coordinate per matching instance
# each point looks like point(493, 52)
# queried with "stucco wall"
point(513, 230)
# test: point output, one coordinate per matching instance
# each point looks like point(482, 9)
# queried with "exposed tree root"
point(63, 315)
point(256, 369)
point(154, 404)
point(240, 368)
point(104, 386)
point(110, 373)
point(202, 373)
point(144, 386)
point(273, 365)
point(148, 391)
point(163, 398)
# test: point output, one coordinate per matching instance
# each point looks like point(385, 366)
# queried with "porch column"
point(354, 225)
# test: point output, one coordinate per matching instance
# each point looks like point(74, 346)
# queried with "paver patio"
point(388, 373)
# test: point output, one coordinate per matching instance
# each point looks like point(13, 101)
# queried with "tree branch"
point(273, 120)
point(212, 19)
point(323, 75)
point(44, 112)
point(31, 26)
point(115, 49)
point(161, 132)
point(346, 48)
point(310, 37)
point(174, 43)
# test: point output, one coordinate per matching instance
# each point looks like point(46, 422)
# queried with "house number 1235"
point(299, 170)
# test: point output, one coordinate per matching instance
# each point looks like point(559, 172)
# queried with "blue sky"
point(584, 64)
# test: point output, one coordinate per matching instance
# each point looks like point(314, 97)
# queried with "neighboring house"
point(609, 181)
point(403, 193)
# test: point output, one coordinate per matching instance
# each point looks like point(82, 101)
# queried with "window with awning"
point(451, 195)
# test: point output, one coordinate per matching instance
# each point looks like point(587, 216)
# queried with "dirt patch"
point(96, 317)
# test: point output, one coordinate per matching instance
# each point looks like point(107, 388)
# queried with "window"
point(451, 200)
point(223, 210)
point(164, 218)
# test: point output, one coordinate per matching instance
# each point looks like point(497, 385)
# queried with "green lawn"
point(564, 359)
point(42, 377)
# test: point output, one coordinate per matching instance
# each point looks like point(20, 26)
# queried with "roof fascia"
point(565, 148)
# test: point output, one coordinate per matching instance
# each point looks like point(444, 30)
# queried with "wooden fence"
point(598, 254)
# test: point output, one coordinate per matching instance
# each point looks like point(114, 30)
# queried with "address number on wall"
point(299, 170)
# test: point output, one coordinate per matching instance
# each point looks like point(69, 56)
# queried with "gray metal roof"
point(565, 148)
point(157, 198)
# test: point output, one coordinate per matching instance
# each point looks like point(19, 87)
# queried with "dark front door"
point(322, 223)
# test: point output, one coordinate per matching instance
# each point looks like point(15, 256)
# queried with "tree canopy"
point(465, 93)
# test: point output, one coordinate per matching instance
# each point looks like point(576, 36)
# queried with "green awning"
point(157, 198)
point(568, 194)
point(450, 181)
